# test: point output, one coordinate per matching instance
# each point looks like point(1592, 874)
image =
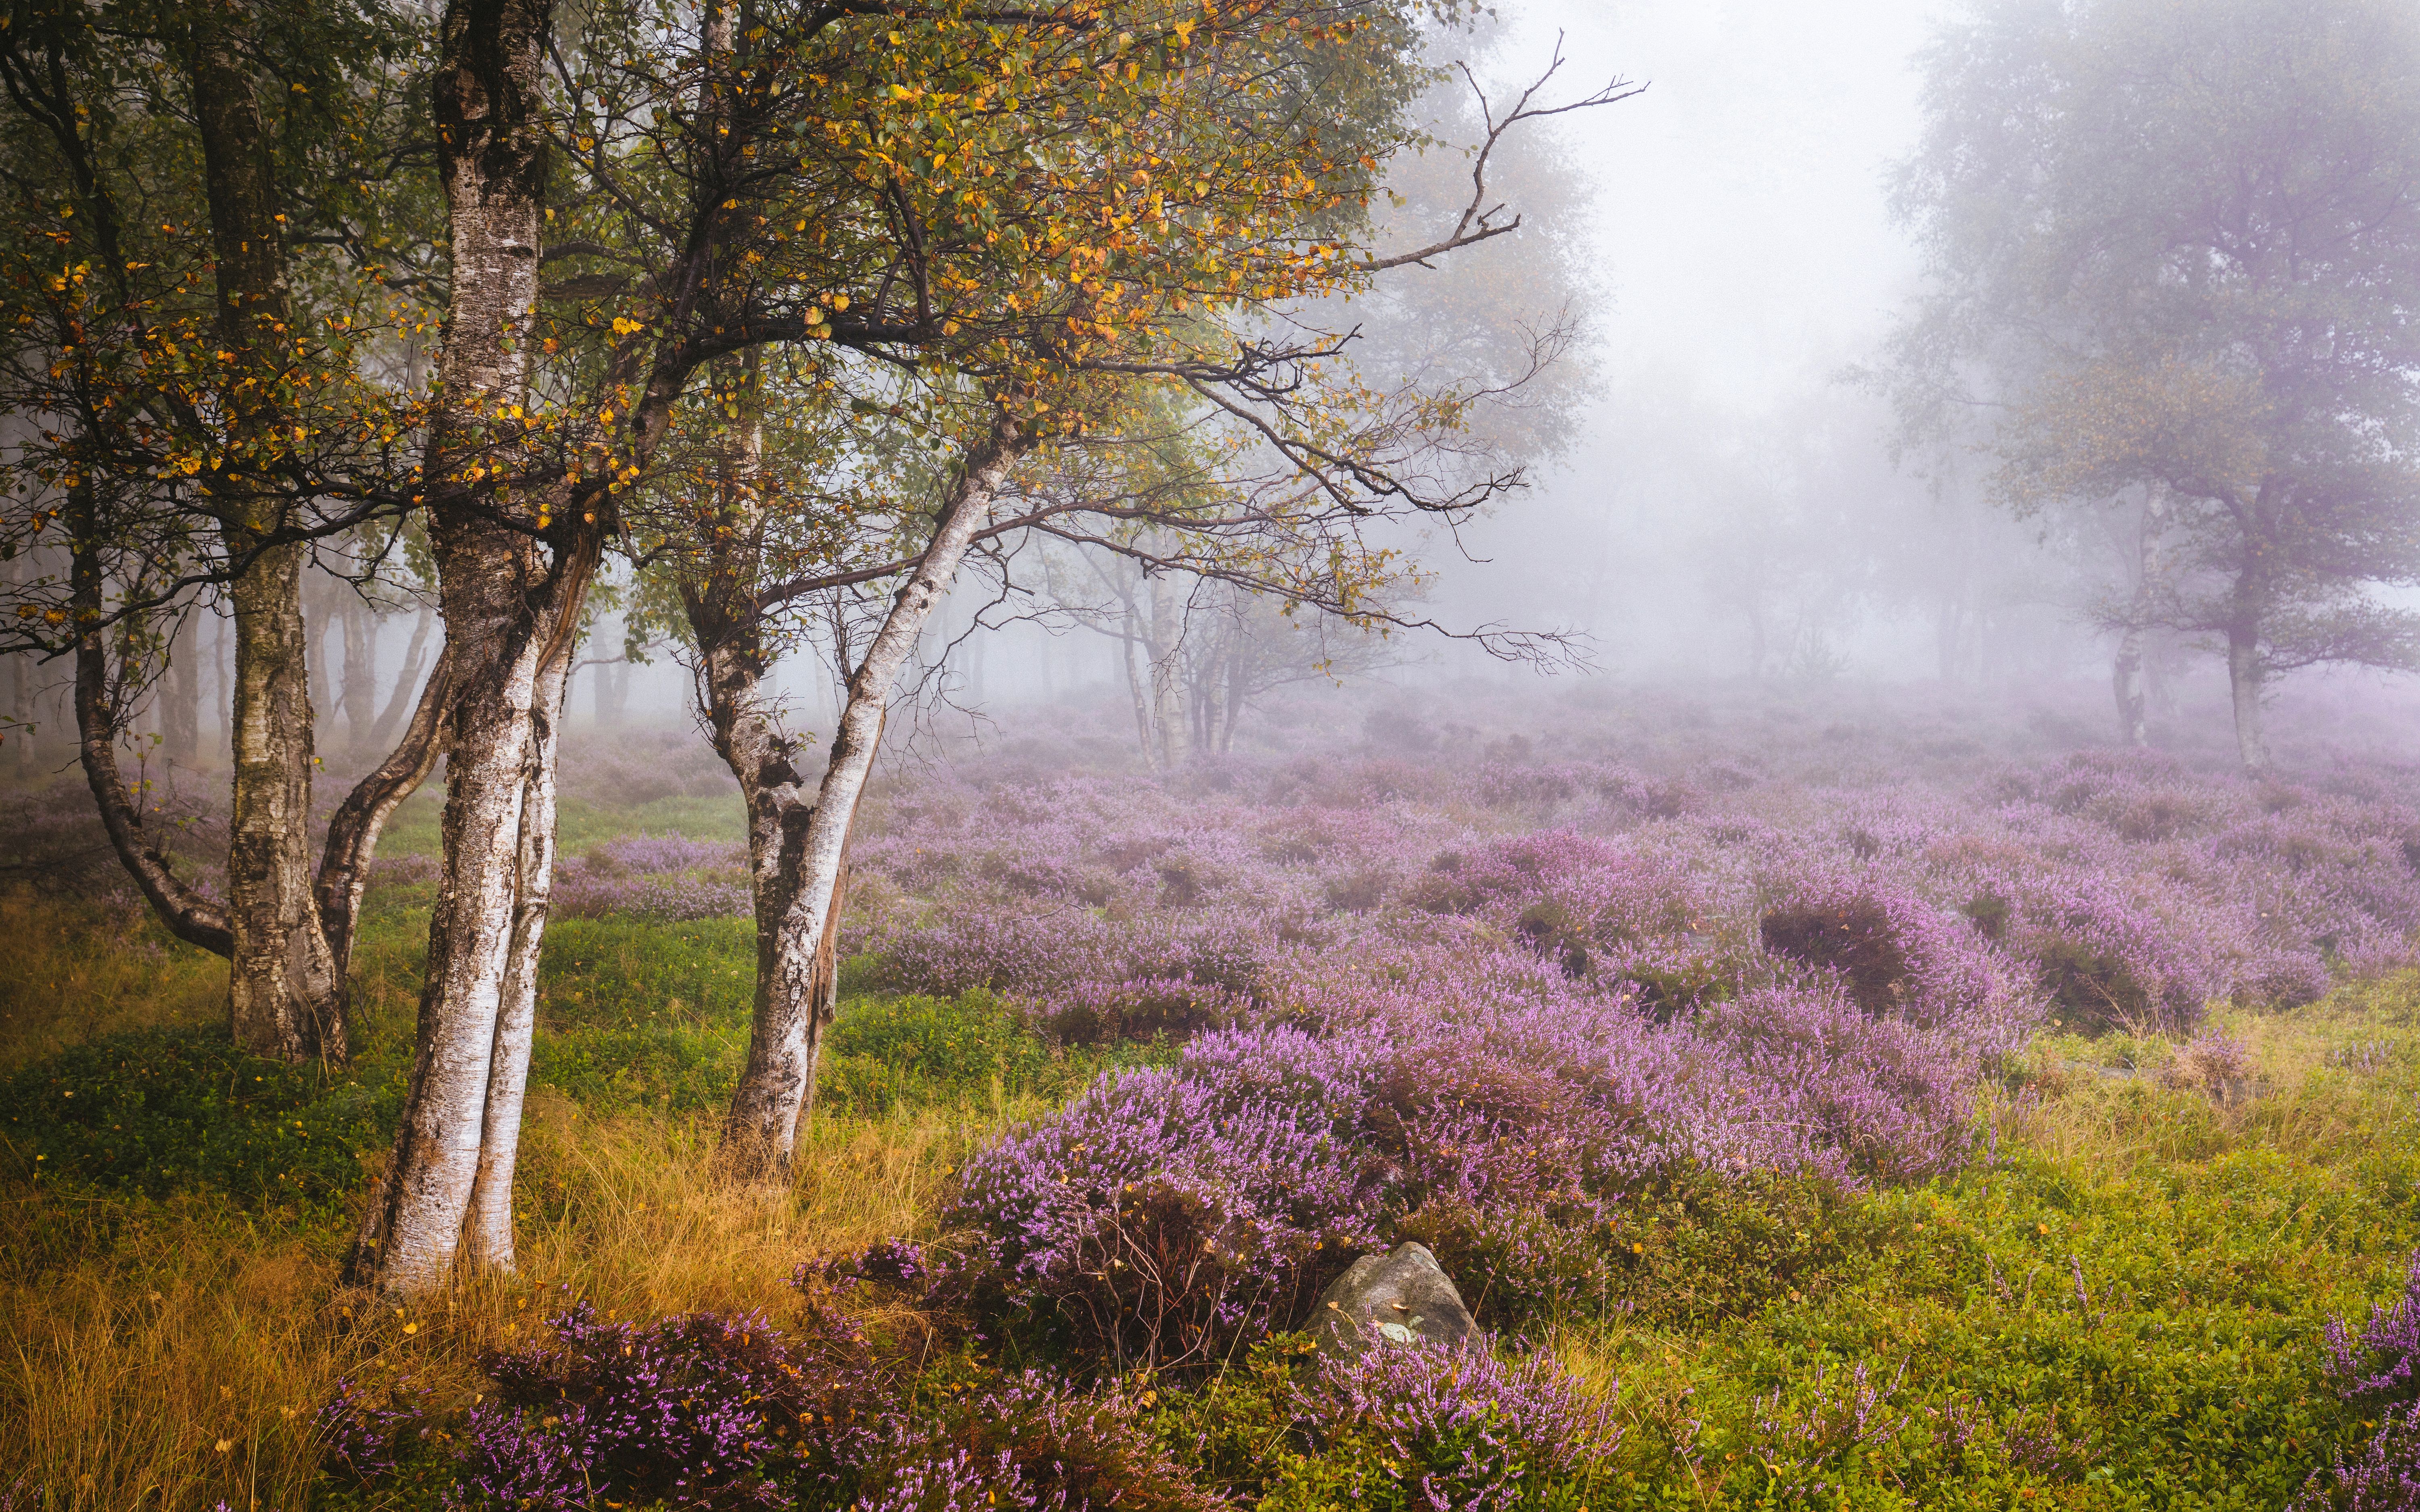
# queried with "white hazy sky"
point(1739, 199)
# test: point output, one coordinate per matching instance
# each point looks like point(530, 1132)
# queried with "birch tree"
point(1066, 355)
point(186, 328)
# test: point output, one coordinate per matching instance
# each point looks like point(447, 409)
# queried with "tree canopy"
point(2177, 250)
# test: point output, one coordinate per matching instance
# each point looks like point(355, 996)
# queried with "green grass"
point(414, 829)
point(2120, 1304)
point(2124, 1308)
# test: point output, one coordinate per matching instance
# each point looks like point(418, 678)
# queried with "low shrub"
point(705, 1411)
point(1428, 1427)
point(1030, 1443)
point(696, 1410)
point(160, 1111)
point(1894, 954)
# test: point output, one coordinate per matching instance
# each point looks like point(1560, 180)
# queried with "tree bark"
point(2247, 615)
point(180, 694)
point(2243, 681)
point(2126, 682)
point(23, 723)
point(353, 829)
point(490, 1239)
point(319, 614)
point(511, 615)
point(784, 1040)
point(359, 691)
point(732, 674)
point(408, 692)
point(283, 996)
point(283, 978)
point(1135, 690)
point(188, 915)
point(1167, 674)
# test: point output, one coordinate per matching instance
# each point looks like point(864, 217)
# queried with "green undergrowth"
point(2119, 1304)
point(416, 828)
point(158, 1111)
point(634, 1017)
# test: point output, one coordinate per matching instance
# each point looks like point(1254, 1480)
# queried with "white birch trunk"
point(2243, 681)
point(490, 1237)
point(509, 614)
point(779, 1081)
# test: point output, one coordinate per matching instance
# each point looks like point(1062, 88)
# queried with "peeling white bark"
point(779, 1081)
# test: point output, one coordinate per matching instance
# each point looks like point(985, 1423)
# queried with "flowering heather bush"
point(2378, 1367)
point(2383, 1362)
point(1164, 1211)
point(662, 877)
point(1029, 1443)
point(696, 1410)
point(363, 1428)
point(1894, 954)
point(2114, 890)
point(2384, 1477)
point(1483, 1006)
point(710, 1412)
point(1165, 1215)
point(1444, 1429)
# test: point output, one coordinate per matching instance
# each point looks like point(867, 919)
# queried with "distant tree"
point(2176, 249)
point(197, 284)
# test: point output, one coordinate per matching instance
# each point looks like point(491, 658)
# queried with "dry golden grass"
point(2299, 1100)
point(178, 1361)
point(59, 986)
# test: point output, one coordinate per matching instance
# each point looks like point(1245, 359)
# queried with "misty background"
point(1714, 503)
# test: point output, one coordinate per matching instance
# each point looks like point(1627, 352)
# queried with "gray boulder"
point(1390, 1299)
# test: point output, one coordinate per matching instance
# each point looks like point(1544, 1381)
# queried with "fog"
point(1715, 497)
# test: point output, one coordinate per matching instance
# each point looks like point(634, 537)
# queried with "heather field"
point(1822, 1100)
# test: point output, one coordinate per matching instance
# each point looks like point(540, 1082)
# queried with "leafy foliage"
point(160, 1111)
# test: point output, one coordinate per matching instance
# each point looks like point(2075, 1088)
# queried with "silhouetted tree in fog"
point(2172, 253)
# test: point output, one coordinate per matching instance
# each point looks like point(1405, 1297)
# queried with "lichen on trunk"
point(798, 849)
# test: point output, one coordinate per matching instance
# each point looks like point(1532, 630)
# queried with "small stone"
point(1402, 1298)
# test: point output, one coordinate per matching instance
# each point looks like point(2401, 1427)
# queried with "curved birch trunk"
point(510, 620)
point(407, 686)
point(785, 1038)
point(188, 915)
point(353, 830)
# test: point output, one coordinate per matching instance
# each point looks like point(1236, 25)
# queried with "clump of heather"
point(695, 1410)
point(663, 877)
point(1164, 1212)
point(2378, 1368)
point(712, 1412)
point(364, 1428)
point(2384, 1477)
point(1894, 952)
point(1432, 1427)
point(2110, 890)
point(2382, 1363)
point(1030, 1443)
point(1166, 1215)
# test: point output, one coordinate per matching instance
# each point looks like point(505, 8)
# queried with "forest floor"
point(2122, 1300)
